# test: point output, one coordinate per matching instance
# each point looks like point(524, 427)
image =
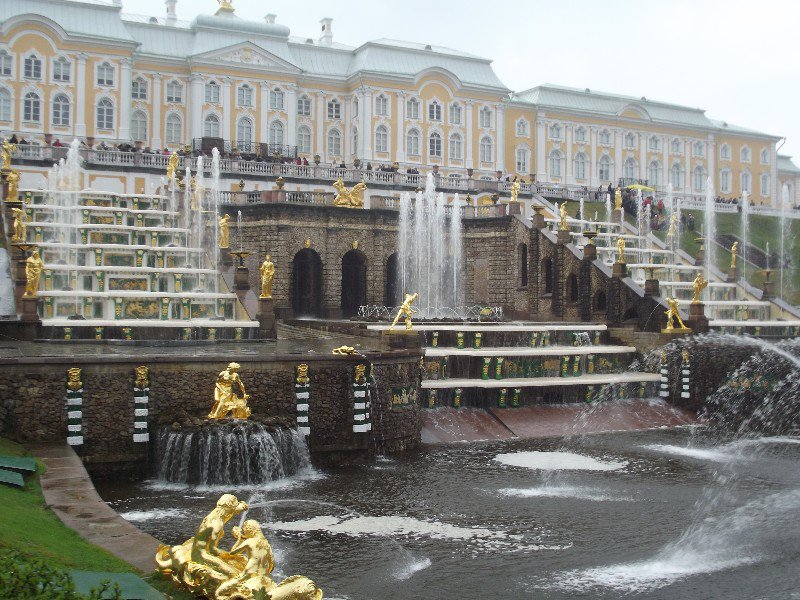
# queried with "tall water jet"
point(745, 230)
point(639, 212)
point(456, 230)
point(200, 194)
point(710, 222)
point(403, 240)
point(786, 236)
point(214, 209)
point(608, 207)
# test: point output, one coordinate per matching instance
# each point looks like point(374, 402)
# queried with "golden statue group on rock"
point(353, 198)
point(405, 312)
point(226, 399)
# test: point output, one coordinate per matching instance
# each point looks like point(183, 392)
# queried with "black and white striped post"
point(302, 391)
point(685, 376)
point(74, 407)
point(664, 372)
point(141, 402)
point(362, 399)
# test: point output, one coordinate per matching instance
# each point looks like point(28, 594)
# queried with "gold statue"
point(12, 179)
point(225, 6)
point(18, 234)
point(349, 198)
point(224, 231)
point(405, 311)
point(515, 189)
point(674, 316)
point(242, 573)
point(172, 166)
point(734, 250)
point(142, 376)
point(8, 150)
point(673, 225)
point(344, 351)
point(225, 399)
point(267, 271)
point(699, 284)
point(563, 210)
point(33, 271)
point(74, 382)
point(621, 250)
point(618, 199)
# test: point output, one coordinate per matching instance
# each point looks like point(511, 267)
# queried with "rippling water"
point(678, 516)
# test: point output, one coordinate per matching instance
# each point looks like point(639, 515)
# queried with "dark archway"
point(572, 287)
point(600, 301)
point(354, 282)
point(391, 295)
point(307, 284)
point(523, 265)
point(547, 275)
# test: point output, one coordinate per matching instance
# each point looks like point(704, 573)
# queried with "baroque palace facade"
point(89, 70)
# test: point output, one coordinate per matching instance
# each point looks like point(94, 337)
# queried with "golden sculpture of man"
point(226, 400)
point(734, 250)
point(405, 311)
point(621, 250)
point(699, 284)
point(12, 179)
point(8, 150)
point(674, 316)
point(267, 271)
point(224, 231)
point(172, 166)
point(353, 198)
point(618, 199)
point(18, 231)
point(563, 210)
point(515, 189)
point(673, 225)
point(33, 271)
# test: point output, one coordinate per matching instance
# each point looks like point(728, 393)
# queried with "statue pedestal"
point(619, 269)
point(538, 219)
point(514, 207)
point(769, 290)
point(402, 339)
point(700, 257)
point(241, 278)
point(733, 275)
point(651, 287)
point(563, 236)
point(676, 331)
point(225, 257)
point(266, 318)
point(589, 252)
point(697, 320)
point(29, 313)
point(617, 215)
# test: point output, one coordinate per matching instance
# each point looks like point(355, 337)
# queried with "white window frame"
point(139, 123)
point(629, 141)
point(334, 110)
point(746, 182)
point(173, 127)
point(304, 106)
point(555, 163)
point(333, 143)
point(630, 168)
point(302, 132)
point(654, 173)
point(745, 154)
point(102, 120)
point(5, 105)
point(277, 99)
point(580, 135)
point(725, 152)
point(33, 67)
point(412, 108)
point(676, 146)
point(765, 184)
point(580, 164)
point(485, 117)
point(725, 180)
point(174, 91)
point(381, 105)
point(6, 64)
point(381, 139)
point(277, 133)
point(522, 160)
point(698, 149)
point(412, 142)
point(105, 74)
point(244, 96)
point(456, 114)
point(61, 110)
point(676, 176)
point(212, 91)
point(62, 70)
point(212, 125)
point(435, 144)
point(455, 147)
point(605, 137)
point(764, 156)
point(486, 149)
point(245, 133)
point(139, 88)
point(435, 111)
point(699, 179)
point(604, 164)
point(32, 107)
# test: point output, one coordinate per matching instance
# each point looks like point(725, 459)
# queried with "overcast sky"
point(739, 60)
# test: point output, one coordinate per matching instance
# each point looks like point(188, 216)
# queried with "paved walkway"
point(69, 492)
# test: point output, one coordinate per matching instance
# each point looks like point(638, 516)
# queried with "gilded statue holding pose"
point(699, 284)
point(563, 211)
point(224, 231)
point(674, 317)
point(515, 189)
point(618, 199)
point(405, 311)
point(8, 150)
point(18, 234)
point(621, 250)
point(12, 179)
point(734, 251)
point(353, 198)
point(172, 166)
point(226, 400)
point(267, 271)
point(33, 271)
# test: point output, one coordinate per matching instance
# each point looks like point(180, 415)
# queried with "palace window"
point(604, 168)
point(725, 181)
point(744, 154)
point(764, 157)
point(630, 141)
point(699, 179)
point(139, 89)
point(212, 92)
point(244, 95)
point(276, 99)
point(5, 63)
point(725, 152)
point(698, 149)
point(486, 149)
point(304, 139)
point(523, 160)
point(61, 110)
point(382, 106)
point(655, 143)
point(456, 145)
point(522, 128)
point(304, 106)
point(676, 146)
point(580, 135)
point(676, 176)
point(334, 111)
point(31, 108)
point(654, 173)
point(555, 131)
point(105, 74)
point(105, 114)
point(61, 69)
point(244, 134)
point(485, 117)
point(556, 163)
point(211, 126)
point(455, 114)
point(435, 145)
point(5, 105)
point(412, 108)
point(276, 136)
point(412, 142)
point(355, 141)
point(630, 168)
point(139, 126)
point(744, 180)
point(581, 165)
point(334, 142)
point(434, 111)
point(174, 91)
point(355, 107)
point(32, 67)
point(605, 137)
point(174, 129)
point(764, 184)
point(381, 139)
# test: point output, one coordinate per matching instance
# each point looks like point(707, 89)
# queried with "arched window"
point(745, 181)
point(211, 126)
point(485, 117)
point(455, 113)
point(304, 139)
point(276, 99)
point(523, 160)
point(32, 68)
point(304, 106)
point(276, 133)
point(105, 74)
point(381, 139)
point(605, 137)
point(604, 168)
point(676, 176)
point(61, 110)
point(572, 287)
point(105, 114)
point(655, 143)
point(630, 140)
point(547, 275)
point(725, 181)
point(676, 146)
point(725, 152)
point(5, 105)
point(244, 133)
point(5, 63)
point(522, 128)
point(31, 108)
point(630, 168)
point(434, 111)
point(61, 69)
point(412, 142)
point(699, 179)
point(764, 184)
point(334, 143)
point(580, 135)
point(456, 145)
point(138, 126)
point(581, 165)
point(600, 301)
point(555, 131)
point(764, 157)
point(556, 163)
point(381, 106)
point(435, 145)
point(698, 148)
point(523, 264)
point(174, 129)
point(486, 149)
point(244, 95)
point(139, 89)
point(355, 141)
point(654, 173)
point(174, 91)
point(412, 109)
point(744, 154)
point(334, 109)
point(212, 92)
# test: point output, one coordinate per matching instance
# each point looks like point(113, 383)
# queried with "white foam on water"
point(718, 454)
point(558, 461)
point(405, 572)
point(563, 491)
point(6, 284)
point(153, 515)
point(284, 483)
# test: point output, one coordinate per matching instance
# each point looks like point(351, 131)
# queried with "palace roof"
point(785, 165)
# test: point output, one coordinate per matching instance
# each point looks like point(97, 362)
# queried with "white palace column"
point(710, 152)
point(125, 100)
point(347, 128)
point(320, 136)
point(291, 115)
point(226, 109)
point(665, 166)
point(617, 156)
point(469, 163)
point(80, 97)
point(195, 106)
point(365, 128)
point(594, 175)
point(263, 131)
point(400, 134)
point(155, 131)
point(643, 155)
point(687, 175)
point(569, 175)
point(501, 138)
point(541, 158)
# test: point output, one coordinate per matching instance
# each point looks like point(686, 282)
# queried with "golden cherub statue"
point(8, 150)
point(621, 250)
point(242, 573)
point(267, 271)
point(172, 166)
point(226, 400)
point(673, 225)
point(673, 317)
point(12, 179)
point(515, 185)
point(734, 250)
point(353, 198)
point(618, 199)
point(18, 229)
point(224, 231)
point(563, 211)
point(33, 271)
point(405, 311)
point(699, 284)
